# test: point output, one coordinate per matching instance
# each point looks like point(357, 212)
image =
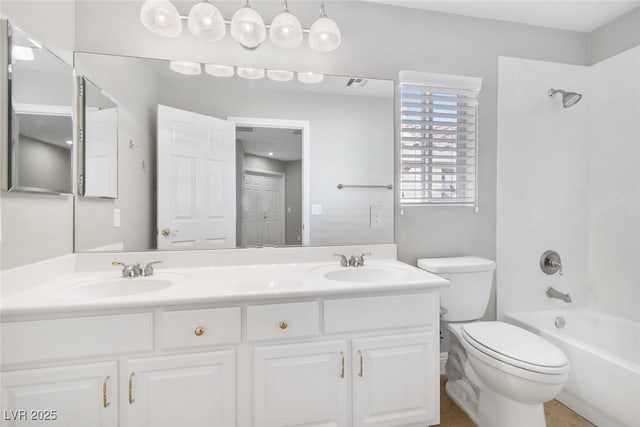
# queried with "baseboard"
point(443, 362)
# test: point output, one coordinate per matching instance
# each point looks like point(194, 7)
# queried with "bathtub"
point(604, 352)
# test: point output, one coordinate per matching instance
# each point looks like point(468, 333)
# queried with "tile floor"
point(556, 413)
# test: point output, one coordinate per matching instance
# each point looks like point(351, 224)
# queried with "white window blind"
point(439, 139)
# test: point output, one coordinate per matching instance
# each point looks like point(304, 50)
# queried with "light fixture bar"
point(228, 23)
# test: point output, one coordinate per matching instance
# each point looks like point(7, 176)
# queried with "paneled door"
point(196, 181)
point(101, 152)
point(70, 396)
point(395, 380)
point(195, 390)
point(263, 206)
point(301, 385)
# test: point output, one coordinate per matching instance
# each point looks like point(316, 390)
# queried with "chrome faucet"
point(129, 270)
point(554, 293)
point(136, 270)
point(354, 261)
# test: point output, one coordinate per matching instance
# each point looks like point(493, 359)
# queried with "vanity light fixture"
point(161, 17)
point(286, 30)
point(22, 53)
point(206, 22)
point(310, 77)
point(280, 75)
point(246, 26)
point(251, 73)
point(185, 67)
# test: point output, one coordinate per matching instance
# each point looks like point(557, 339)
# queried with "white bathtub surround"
point(542, 183)
point(604, 350)
point(614, 185)
point(260, 343)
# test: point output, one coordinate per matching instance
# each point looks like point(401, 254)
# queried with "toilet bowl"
point(499, 374)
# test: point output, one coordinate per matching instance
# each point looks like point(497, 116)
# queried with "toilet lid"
point(514, 346)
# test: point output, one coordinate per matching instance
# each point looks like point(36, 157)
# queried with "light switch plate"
point(116, 218)
point(376, 212)
point(316, 209)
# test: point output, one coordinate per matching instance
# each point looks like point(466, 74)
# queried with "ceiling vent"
point(245, 129)
point(357, 82)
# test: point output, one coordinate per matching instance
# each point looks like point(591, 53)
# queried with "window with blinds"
point(439, 142)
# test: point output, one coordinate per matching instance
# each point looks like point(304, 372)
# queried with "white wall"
point(615, 37)
point(542, 183)
point(614, 184)
point(36, 227)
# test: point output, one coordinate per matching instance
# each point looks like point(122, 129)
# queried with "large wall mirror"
point(37, 144)
point(206, 161)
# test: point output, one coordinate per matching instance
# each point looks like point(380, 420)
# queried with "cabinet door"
point(395, 380)
point(195, 390)
point(301, 385)
point(70, 396)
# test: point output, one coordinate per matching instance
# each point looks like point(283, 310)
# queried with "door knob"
point(165, 232)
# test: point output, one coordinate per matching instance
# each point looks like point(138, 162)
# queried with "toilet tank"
point(470, 279)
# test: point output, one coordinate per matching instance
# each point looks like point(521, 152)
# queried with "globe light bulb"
point(206, 22)
point(324, 34)
point(286, 30)
point(161, 17)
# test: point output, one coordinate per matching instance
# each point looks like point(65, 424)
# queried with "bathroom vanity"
point(265, 345)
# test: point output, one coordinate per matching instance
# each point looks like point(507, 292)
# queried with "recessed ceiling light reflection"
point(251, 73)
point(280, 75)
point(219, 70)
point(22, 53)
point(184, 67)
point(310, 77)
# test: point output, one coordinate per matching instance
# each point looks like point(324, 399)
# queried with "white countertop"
point(204, 285)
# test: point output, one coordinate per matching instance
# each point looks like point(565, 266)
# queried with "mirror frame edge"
point(80, 125)
point(5, 108)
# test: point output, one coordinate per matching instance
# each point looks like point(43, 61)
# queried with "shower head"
point(569, 99)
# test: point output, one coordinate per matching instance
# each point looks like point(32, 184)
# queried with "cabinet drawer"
point(199, 328)
point(384, 312)
point(280, 321)
point(60, 339)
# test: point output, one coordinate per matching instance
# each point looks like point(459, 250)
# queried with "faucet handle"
point(128, 270)
point(148, 269)
point(359, 260)
point(343, 260)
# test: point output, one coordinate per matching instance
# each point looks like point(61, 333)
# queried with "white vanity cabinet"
point(71, 396)
point(349, 360)
point(185, 390)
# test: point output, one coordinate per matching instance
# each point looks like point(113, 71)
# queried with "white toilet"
point(497, 373)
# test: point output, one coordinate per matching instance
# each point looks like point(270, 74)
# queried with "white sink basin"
point(118, 288)
point(366, 274)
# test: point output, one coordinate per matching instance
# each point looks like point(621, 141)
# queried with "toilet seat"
point(507, 344)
